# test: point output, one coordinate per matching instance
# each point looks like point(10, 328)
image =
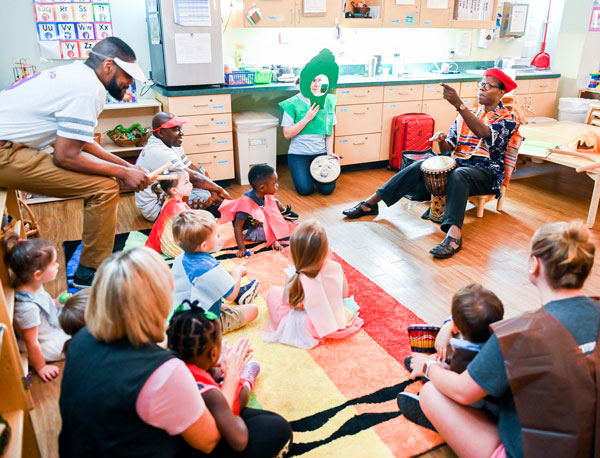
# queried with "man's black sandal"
point(447, 248)
point(357, 211)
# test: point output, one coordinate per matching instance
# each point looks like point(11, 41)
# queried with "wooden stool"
point(480, 201)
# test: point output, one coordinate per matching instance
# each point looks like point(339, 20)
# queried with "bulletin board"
point(70, 29)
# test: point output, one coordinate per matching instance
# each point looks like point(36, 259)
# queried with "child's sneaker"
point(408, 403)
point(289, 214)
point(250, 372)
point(247, 293)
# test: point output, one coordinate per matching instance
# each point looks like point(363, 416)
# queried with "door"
point(328, 19)
point(395, 15)
point(443, 113)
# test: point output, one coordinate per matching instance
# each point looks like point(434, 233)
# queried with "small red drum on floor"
point(422, 337)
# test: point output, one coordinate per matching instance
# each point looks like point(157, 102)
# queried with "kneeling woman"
point(310, 129)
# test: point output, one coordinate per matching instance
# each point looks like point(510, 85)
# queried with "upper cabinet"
point(381, 13)
point(436, 13)
point(481, 15)
point(400, 14)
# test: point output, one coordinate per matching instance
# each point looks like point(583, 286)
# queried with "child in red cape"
point(257, 216)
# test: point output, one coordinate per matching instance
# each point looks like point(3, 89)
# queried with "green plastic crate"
point(261, 75)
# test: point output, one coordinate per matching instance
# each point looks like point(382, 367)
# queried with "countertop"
point(348, 81)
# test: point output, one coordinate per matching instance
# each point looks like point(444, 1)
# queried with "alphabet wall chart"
point(69, 29)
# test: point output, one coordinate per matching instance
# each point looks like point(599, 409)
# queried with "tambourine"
point(325, 169)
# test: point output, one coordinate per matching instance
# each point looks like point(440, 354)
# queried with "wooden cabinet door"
point(395, 15)
point(358, 119)
point(274, 13)
point(356, 149)
point(389, 111)
point(469, 89)
point(219, 165)
point(522, 87)
point(443, 113)
point(543, 104)
point(328, 19)
point(207, 142)
point(435, 91)
point(403, 93)
point(206, 124)
point(544, 85)
point(435, 17)
point(359, 94)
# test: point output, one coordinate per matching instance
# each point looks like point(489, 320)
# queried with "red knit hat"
point(508, 82)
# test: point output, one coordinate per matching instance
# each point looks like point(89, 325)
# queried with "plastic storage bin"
point(254, 142)
point(573, 109)
point(261, 75)
point(239, 78)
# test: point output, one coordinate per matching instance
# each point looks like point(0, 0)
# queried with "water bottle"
point(398, 65)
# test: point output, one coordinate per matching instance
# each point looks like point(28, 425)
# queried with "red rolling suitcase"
point(410, 132)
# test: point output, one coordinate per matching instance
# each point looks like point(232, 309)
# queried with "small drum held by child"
point(435, 171)
point(422, 337)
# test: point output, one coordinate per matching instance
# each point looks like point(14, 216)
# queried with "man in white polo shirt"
point(163, 146)
point(59, 108)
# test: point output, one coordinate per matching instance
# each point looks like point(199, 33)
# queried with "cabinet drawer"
point(358, 119)
point(403, 93)
point(354, 95)
point(522, 87)
point(435, 91)
point(200, 104)
point(545, 85)
point(207, 142)
point(219, 165)
point(356, 149)
point(469, 89)
point(205, 124)
point(389, 111)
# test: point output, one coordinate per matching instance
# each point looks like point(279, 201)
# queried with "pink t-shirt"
point(170, 399)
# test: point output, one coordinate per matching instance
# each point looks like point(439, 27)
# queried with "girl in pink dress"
point(314, 305)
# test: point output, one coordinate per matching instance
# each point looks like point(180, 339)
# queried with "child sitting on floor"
point(72, 315)
point(474, 309)
point(200, 277)
point(33, 263)
point(225, 375)
point(314, 305)
point(257, 216)
point(161, 237)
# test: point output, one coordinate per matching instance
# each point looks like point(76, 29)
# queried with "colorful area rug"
point(340, 397)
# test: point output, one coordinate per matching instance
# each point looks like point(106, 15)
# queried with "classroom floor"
point(391, 249)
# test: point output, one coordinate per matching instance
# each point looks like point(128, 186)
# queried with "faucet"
point(499, 60)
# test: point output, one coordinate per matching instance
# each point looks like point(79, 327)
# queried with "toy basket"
point(261, 75)
point(239, 78)
point(136, 135)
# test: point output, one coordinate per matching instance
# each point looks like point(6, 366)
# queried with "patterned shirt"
point(489, 154)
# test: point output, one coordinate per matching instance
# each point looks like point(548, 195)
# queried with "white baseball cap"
point(131, 68)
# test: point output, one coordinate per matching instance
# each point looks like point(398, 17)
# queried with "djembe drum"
point(422, 338)
point(435, 171)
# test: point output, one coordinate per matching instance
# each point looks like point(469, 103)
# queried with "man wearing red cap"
point(484, 145)
point(163, 146)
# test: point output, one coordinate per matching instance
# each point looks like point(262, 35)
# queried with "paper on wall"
point(405, 2)
point(50, 49)
point(463, 43)
point(193, 48)
point(192, 13)
point(519, 16)
point(437, 4)
point(154, 26)
point(315, 6)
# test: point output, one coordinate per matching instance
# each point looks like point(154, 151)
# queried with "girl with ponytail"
point(315, 303)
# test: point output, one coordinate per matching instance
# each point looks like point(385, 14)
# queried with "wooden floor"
point(391, 249)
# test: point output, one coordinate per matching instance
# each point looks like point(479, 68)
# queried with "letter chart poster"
point(69, 29)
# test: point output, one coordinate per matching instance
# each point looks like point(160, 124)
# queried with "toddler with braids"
point(315, 304)
point(225, 376)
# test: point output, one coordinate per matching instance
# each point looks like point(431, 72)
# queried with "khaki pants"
point(33, 171)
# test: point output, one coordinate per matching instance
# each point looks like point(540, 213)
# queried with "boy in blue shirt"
point(200, 277)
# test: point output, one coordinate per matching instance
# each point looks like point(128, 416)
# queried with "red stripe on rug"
point(386, 319)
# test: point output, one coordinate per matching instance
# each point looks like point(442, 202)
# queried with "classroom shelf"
point(141, 103)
